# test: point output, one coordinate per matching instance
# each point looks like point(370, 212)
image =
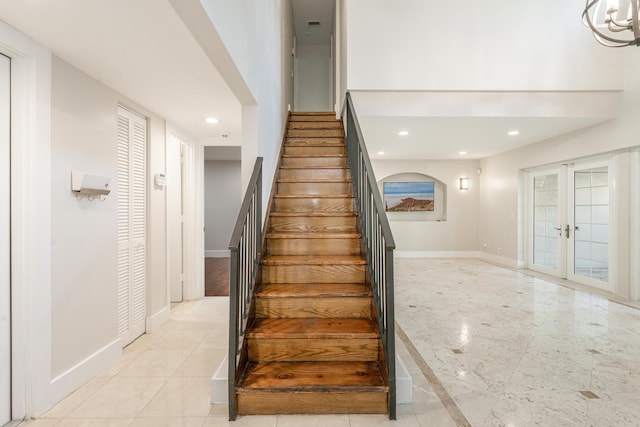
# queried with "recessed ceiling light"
point(403, 133)
point(513, 132)
point(462, 153)
point(380, 153)
point(212, 120)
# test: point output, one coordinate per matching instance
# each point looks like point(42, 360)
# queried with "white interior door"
point(5, 241)
point(132, 146)
point(569, 223)
point(175, 223)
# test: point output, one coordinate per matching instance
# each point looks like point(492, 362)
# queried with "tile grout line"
point(450, 405)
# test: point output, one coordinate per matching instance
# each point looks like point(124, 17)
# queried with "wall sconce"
point(464, 183)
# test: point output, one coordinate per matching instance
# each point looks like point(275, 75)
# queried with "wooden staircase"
point(313, 345)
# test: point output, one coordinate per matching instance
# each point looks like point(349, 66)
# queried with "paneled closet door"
point(5, 241)
point(132, 143)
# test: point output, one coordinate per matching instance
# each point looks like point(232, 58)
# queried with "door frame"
point(566, 199)
point(31, 222)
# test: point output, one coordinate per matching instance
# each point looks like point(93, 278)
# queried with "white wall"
point(500, 204)
point(313, 83)
point(84, 237)
point(471, 45)
point(251, 32)
point(455, 236)
point(222, 199)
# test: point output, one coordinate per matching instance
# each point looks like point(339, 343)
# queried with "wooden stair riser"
point(270, 403)
point(294, 150)
point(312, 162)
point(313, 350)
point(314, 188)
point(315, 124)
point(313, 274)
point(319, 247)
point(312, 117)
point(298, 141)
point(324, 173)
point(315, 133)
point(314, 205)
point(316, 307)
point(292, 224)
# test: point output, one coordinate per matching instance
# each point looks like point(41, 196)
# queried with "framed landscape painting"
point(408, 196)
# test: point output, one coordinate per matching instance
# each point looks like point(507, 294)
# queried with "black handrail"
point(378, 243)
point(245, 246)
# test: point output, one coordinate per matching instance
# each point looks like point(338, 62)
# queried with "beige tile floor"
point(524, 350)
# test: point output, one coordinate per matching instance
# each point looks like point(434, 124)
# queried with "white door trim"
point(5, 241)
point(31, 222)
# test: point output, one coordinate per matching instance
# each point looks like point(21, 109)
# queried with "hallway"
point(508, 348)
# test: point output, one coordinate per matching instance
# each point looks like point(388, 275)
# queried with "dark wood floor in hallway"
point(216, 277)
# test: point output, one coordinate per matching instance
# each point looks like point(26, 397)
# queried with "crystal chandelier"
point(614, 22)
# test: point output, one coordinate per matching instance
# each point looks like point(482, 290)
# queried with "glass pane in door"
point(591, 217)
point(545, 221)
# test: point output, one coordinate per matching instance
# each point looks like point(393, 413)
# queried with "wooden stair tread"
point(314, 180)
point(312, 235)
point(307, 290)
point(297, 141)
point(272, 260)
point(315, 376)
point(312, 156)
point(313, 196)
point(312, 328)
point(314, 167)
point(314, 214)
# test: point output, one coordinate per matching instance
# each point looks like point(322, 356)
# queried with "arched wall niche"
point(439, 212)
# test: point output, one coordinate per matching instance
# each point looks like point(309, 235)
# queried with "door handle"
point(567, 231)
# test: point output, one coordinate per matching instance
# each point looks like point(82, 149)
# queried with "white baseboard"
point(65, 383)
point(436, 254)
point(508, 262)
point(217, 254)
point(154, 322)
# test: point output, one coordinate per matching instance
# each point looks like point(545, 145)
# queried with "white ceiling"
point(443, 124)
point(142, 50)
point(313, 10)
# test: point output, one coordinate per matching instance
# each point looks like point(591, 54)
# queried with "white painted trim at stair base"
point(436, 254)
point(404, 384)
point(65, 383)
point(154, 322)
point(217, 254)
point(219, 387)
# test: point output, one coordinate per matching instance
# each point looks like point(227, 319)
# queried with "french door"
point(569, 222)
point(5, 241)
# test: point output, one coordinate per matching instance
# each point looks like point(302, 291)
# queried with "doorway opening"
point(222, 200)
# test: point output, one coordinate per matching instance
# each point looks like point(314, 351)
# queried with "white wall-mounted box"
point(84, 183)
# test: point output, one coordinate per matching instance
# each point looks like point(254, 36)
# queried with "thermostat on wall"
point(161, 179)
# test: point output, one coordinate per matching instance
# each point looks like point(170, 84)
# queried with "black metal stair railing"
point(378, 242)
point(245, 246)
